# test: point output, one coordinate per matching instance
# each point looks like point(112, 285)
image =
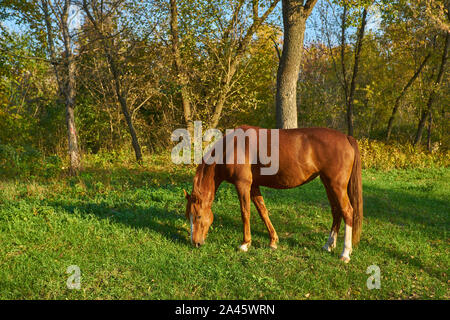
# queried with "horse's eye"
point(198, 217)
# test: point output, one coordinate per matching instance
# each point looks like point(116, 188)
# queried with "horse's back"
point(306, 153)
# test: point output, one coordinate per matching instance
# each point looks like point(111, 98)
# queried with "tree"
point(374, 68)
point(66, 81)
point(237, 53)
point(28, 95)
point(99, 16)
point(182, 77)
point(295, 14)
point(427, 113)
point(209, 47)
point(437, 14)
point(350, 92)
point(402, 94)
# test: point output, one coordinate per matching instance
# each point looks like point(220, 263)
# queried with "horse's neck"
point(205, 183)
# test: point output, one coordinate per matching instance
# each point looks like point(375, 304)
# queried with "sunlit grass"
point(123, 224)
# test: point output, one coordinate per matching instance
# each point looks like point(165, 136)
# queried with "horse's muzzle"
point(198, 244)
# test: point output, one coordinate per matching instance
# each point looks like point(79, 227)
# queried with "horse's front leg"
point(243, 190)
point(258, 201)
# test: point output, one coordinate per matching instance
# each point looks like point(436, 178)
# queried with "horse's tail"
point(354, 191)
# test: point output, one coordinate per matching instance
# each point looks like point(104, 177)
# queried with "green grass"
point(124, 227)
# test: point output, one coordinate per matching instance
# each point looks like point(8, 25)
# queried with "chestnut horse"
point(303, 154)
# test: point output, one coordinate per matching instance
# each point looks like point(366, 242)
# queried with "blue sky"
point(310, 33)
point(74, 21)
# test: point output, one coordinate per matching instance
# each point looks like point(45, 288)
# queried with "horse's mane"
point(201, 174)
point(196, 190)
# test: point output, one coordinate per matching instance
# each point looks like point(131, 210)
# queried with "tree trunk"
point(182, 77)
point(294, 24)
point(66, 83)
point(343, 69)
point(421, 126)
point(123, 105)
point(401, 95)
point(74, 151)
point(428, 111)
point(430, 124)
point(226, 86)
point(355, 72)
point(51, 45)
point(116, 78)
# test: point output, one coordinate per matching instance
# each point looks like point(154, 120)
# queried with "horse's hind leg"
point(340, 190)
point(258, 201)
point(337, 217)
point(243, 190)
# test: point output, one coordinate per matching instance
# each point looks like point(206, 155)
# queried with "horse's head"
point(199, 214)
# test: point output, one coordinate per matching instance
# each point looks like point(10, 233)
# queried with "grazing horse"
point(303, 154)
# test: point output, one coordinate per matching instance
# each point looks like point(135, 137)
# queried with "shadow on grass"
point(406, 259)
point(406, 209)
point(165, 222)
point(133, 178)
point(411, 210)
point(402, 208)
point(160, 220)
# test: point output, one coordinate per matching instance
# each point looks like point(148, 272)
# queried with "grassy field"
point(124, 226)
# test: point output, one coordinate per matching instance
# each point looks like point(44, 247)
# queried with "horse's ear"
point(186, 195)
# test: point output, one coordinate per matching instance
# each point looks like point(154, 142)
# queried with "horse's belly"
point(285, 180)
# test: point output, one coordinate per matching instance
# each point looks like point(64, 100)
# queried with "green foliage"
point(29, 111)
point(398, 39)
point(17, 162)
point(28, 162)
point(380, 156)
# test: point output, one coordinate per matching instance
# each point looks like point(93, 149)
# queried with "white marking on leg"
point(331, 243)
point(347, 244)
point(244, 247)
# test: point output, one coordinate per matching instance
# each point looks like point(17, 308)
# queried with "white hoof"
point(244, 247)
point(345, 259)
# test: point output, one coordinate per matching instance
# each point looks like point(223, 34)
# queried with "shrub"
point(381, 156)
point(9, 159)
point(27, 161)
